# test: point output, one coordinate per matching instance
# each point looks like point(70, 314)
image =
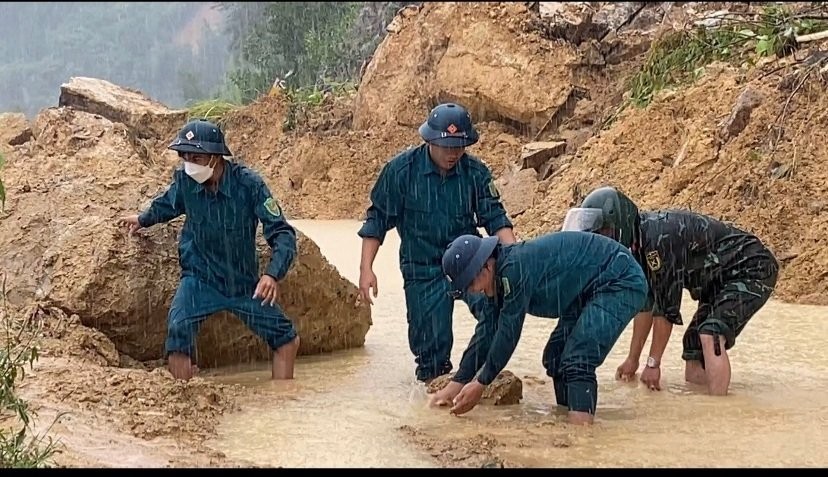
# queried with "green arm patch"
point(272, 207)
point(507, 288)
point(493, 189)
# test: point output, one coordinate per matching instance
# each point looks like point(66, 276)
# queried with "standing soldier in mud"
point(727, 270)
point(590, 282)
point(432, 194)
point(223, 202)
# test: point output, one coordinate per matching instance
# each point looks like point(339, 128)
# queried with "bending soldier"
point(727, 270)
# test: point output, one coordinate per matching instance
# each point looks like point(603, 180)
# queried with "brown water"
point(345, 409)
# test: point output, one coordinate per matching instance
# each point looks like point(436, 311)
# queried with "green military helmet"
point(200, 136)
point(606, 210)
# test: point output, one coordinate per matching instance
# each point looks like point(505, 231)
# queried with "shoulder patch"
point(507, 288)
point(493, 189)
point(654, 260)
point(272, 207)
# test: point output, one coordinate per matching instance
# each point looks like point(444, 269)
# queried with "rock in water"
point(506, 389)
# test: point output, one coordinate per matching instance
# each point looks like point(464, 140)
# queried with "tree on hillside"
point(130, 44)
point(318, 41)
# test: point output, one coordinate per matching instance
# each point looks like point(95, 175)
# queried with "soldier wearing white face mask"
point(223, 202)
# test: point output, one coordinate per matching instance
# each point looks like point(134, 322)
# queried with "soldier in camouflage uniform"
point(727, 270)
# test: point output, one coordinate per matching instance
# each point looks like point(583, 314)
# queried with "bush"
point(19, 448)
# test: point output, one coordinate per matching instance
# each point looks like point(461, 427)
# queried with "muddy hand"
point(651, 377)
point(445, 396)
point(267, 290)
point(131, 222)
point(468, 398)
point(367, 281)
point(626, 371)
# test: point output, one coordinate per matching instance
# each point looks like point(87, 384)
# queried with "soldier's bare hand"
point(131, 223)
point(468, 397)
point(626, 371)
point(267, 290)
point(367, 281)
point(651, 377)
point(445, 396)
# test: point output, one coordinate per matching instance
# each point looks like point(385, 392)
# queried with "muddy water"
point(345, 409)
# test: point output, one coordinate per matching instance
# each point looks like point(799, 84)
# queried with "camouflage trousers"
point(726, 306)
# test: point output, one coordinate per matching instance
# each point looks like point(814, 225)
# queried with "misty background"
point(181, 53)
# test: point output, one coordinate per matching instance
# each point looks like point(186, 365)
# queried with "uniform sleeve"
point(486, 311)
point(491, 215)
point(664, 268)
point(386, 206)
point(280, 235)
point(165, 207)
point(510, 324)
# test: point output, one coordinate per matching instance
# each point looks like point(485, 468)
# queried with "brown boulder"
point(468, 53)
point(146, 117)
point(505, 390)
point(517, 189)
point(60, 244)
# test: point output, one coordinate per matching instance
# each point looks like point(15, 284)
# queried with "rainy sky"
point(164, 49)
point(183, 52)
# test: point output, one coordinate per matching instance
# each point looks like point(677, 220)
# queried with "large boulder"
point(60, 244)
point(469, 53)
point(146, 117)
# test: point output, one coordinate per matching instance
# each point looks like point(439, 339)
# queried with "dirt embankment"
point(102, 297)
point(543, 86)
point(677, 153)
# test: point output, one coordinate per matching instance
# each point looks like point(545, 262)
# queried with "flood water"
point(345, 409)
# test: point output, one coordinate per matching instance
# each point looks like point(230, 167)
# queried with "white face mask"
point(199, 173)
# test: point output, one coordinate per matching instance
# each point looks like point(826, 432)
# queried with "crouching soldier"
point(223, 202)
point(591, 283)
point(727, 270)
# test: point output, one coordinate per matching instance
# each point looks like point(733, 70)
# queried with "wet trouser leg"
point(194, 301)
point(553, 352)
point(604, 316)
point(727, 309)
point(430, 335)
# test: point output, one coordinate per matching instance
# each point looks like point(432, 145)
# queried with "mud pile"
point(60, 243)
point(462, 52)
point(544, 82)
point(714, 148)
point(526, 77)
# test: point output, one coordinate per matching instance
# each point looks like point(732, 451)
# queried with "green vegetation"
point(213, 110)
point(163, 50)
point(306, 44)
point(132, 44)
point(678, 58)
point(19, 448)
point(303, 100)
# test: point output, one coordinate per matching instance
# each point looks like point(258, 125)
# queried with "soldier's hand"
point(131, 223)
point(267, 290)
point(367, 281)
point(445, 396)
point(468, 397)
point(626, 371)
point(651, 377)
